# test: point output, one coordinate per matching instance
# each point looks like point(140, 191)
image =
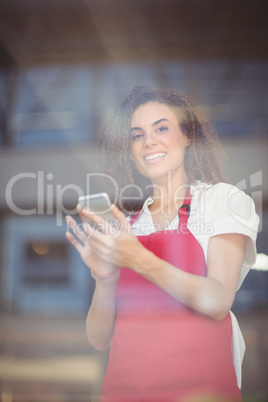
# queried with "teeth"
point(154, 156)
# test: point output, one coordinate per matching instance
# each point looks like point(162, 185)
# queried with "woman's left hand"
point(115, 245)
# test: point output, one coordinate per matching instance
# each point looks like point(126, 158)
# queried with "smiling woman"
point(170, 112)
point(164, 282)
point(158, 145)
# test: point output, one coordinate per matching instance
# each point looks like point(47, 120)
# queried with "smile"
point(155, 156)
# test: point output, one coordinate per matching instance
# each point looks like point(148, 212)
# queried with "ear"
point(187, 141)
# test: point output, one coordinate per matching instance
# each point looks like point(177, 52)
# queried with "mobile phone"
point(99, 203)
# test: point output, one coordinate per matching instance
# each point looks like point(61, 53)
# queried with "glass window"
point(53, 105)
point(45, 262)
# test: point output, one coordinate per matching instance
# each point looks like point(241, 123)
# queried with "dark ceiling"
point(74, 31)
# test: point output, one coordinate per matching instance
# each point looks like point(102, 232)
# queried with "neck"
point(170, 193)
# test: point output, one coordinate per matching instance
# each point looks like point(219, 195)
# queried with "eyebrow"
point(154, 124)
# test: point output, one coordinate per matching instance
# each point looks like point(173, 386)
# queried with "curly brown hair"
point(201, 156)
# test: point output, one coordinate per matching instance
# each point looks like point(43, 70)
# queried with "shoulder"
point(221, 199)
point(215, 191)
point(226, 207)
point(220, 209)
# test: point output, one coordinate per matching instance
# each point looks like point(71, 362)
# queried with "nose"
point(150, 139)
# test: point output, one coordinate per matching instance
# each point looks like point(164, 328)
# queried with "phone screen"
point(100, 204)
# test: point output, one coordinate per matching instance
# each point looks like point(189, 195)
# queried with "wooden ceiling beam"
point(38, 32)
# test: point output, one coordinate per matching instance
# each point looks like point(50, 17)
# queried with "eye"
point(162, 128)
point(136, 136)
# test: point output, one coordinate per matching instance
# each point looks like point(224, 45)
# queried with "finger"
point(79, 230)
point(84, 214)
point(102, 248)
point(80, 212)
point(120, 216)
point(79, 247)
point(85, 230)
point(99, 224)
point(81, 238)
point(94, 218)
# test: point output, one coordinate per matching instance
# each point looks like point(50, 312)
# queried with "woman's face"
point(157, 143)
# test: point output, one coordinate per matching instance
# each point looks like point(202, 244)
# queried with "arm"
point(101, 315)
point(212, 295)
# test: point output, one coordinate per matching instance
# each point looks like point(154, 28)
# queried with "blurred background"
point(64, 67)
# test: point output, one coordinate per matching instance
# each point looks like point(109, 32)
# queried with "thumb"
point(120, 216)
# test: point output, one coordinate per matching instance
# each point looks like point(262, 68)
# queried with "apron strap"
point(185, 209)
point(134, 217)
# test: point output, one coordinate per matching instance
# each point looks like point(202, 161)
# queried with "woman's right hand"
point(100, 269)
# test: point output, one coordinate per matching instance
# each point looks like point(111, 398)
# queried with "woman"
point(165, 314)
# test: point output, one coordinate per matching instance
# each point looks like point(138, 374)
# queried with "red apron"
point(162, 351)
